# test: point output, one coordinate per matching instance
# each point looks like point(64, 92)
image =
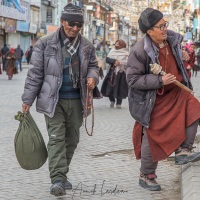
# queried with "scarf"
point(12, 50)
point(122, 56)
point(72, 47)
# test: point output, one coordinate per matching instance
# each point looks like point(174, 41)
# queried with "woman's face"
point(117, 45)
point(192, 48)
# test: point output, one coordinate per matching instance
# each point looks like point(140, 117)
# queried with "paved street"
point(104, 166)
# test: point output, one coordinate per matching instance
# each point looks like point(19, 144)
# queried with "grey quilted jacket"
point(44, 78)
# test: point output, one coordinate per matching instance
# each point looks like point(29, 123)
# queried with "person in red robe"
point(167, 116)
point(10, 64)
point(190, 62)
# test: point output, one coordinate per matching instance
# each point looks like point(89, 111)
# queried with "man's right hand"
point(25, 108)
point(168, 79)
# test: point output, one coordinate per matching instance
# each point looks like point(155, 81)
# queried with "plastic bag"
point(30, 149)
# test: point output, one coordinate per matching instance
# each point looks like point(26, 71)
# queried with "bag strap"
point(112, 81)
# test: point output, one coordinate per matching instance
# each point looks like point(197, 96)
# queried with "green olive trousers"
point(63, 130)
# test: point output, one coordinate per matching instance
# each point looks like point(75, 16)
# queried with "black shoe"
point(58, 188)
point(148, 182)
point(112, 104)
point(68, 185)
point(118, 106)
point(186, 155)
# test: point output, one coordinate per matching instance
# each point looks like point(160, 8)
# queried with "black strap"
point(147, 65)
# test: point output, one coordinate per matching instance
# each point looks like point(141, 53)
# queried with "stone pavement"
point(103, 167)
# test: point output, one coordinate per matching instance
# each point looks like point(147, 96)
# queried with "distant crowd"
point(11, 59)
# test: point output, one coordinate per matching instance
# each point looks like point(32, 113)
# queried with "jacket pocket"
point(138, 105)
point(49, 51)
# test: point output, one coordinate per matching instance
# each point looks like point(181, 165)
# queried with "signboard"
point(22, 26)
point(98, 11)
point(16, 9)
point(10, 25)
point(52, 3)
point(89, 7)
point(2, 23)
point(51, 29)
point(33, 28)
point(187, 36)
point(40, 34)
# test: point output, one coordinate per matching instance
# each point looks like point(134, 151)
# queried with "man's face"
point(158, 32)
point(71, 28)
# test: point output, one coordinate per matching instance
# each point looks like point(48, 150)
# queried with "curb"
point(190, 184)
point(25, 65)
point(190, 177)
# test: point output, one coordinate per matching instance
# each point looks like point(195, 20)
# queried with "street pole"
point(118, 25)
point(104, 35)
point(128, 36)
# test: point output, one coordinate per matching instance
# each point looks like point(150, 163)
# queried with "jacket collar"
point(152, 51)
point(55, 39)
point(174, 38)
point(150, 48)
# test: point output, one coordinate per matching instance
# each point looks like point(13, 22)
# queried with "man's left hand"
point(91, 83)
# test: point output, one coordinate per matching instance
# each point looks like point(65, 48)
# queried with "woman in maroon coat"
point(10, 63)
point(189, 63)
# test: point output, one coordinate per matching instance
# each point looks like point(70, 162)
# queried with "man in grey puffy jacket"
point(64, 64)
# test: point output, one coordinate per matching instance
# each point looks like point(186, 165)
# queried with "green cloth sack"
point(30, 149)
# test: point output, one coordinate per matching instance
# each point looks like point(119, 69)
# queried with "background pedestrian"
point(10, 63)
point(114, 85)
point(30, 54)
point(4, 50)
point(19, 54)
point(190, 48)
point(100, 67)
point(26, 55)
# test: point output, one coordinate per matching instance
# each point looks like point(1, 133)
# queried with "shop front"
point(2, 32)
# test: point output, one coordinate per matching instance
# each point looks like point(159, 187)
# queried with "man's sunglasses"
point(72, 24)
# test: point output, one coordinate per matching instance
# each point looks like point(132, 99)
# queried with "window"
point(49, 15)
